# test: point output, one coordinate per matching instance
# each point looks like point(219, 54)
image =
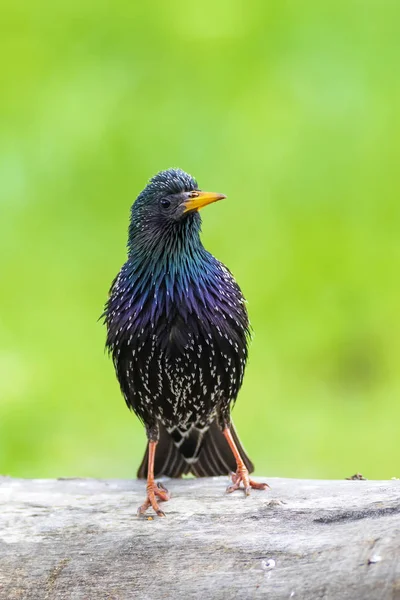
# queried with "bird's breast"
point(180, 384)
point(179, 345)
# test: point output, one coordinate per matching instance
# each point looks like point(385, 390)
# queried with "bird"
point(178, 333)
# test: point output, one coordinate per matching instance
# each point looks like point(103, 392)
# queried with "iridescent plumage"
point(177, 331)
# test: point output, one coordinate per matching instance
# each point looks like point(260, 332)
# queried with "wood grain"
point(80, 539)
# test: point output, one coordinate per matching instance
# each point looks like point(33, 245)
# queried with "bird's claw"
point(242, 475)
point(162, 492)
point(154, 489)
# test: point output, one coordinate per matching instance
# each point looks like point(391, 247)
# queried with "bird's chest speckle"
point(179, 352)
point(180, 384)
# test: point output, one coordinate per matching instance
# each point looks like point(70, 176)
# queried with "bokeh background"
point(289, 108)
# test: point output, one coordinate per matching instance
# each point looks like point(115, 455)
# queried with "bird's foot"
point(242, 475)
point(154, 489)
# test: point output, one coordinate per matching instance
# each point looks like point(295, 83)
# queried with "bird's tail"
point(205, 456)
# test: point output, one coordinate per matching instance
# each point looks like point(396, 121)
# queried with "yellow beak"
point(198, 200)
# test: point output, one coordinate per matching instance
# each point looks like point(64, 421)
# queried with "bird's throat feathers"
point(150, 241)
point(168, 265)
point(170, 277)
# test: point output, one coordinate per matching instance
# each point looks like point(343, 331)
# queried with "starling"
point(178, 330)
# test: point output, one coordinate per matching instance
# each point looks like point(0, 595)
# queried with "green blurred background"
point(289, 108)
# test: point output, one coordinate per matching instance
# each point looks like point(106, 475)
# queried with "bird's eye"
point(165, 203)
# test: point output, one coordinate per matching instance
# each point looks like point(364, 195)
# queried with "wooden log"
point(80, 539)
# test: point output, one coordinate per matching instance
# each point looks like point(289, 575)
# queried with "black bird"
point(178, 332)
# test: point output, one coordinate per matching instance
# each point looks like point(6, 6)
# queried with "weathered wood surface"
point(81, 540)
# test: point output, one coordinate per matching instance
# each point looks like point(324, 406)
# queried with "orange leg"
point(242, 473)
point(152, 488)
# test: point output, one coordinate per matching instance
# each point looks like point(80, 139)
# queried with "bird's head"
point(169, 203)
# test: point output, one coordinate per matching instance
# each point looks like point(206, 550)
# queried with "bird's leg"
point(242, 474)
point(153, 489)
